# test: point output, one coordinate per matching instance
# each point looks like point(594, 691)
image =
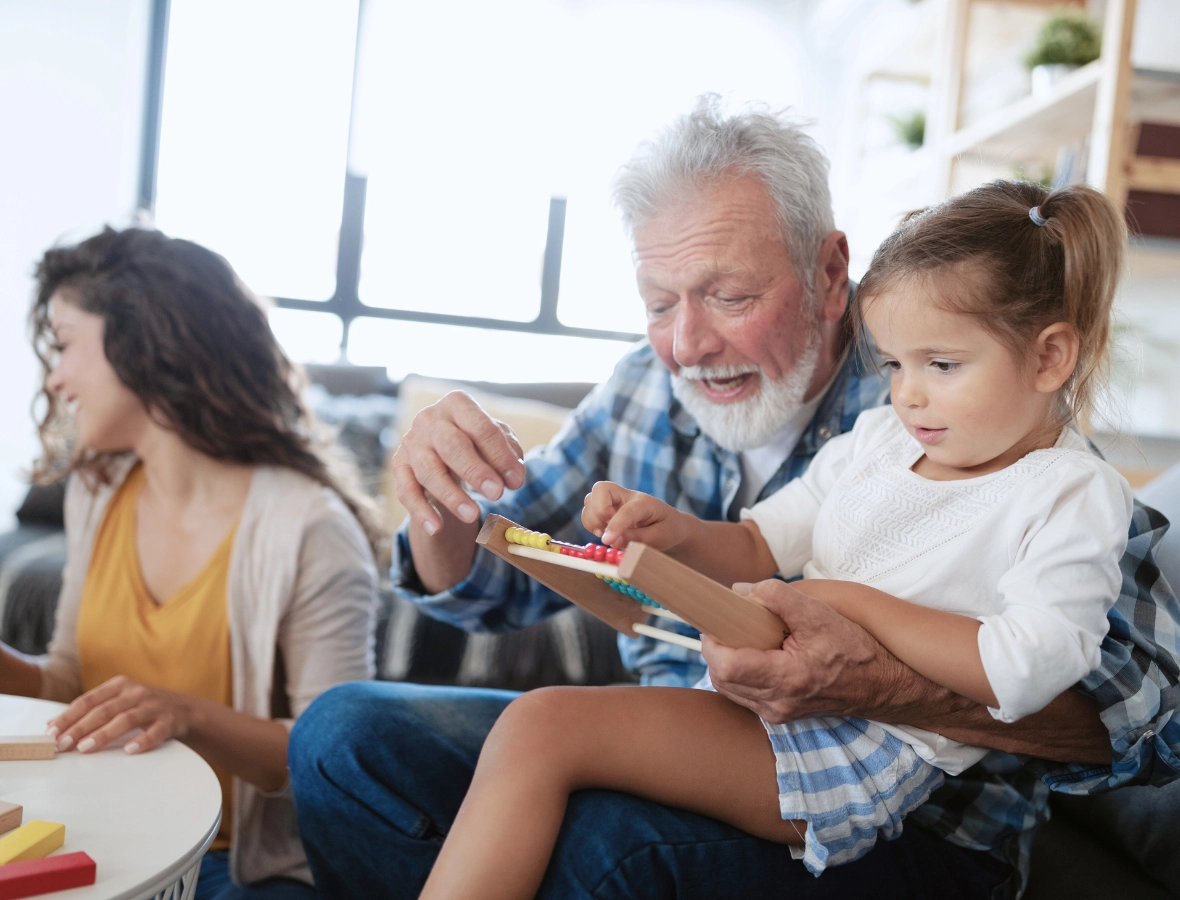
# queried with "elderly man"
point(747, 372)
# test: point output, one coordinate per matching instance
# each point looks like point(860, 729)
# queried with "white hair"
point(708, 143)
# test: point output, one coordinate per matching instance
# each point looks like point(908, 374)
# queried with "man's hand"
point(620, 516)
point(827, 666)
point(451, 442)
point(116, 707)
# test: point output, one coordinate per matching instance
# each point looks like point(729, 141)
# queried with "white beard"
point(751, 422)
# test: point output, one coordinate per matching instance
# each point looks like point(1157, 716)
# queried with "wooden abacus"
point(625, 587)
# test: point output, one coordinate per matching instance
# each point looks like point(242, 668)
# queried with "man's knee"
point(330, 728)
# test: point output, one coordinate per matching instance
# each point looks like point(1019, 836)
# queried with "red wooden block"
point(40, 876)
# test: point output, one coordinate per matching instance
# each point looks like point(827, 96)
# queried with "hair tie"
point(1035, 215)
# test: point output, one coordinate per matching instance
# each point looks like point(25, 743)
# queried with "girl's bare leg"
point(685, 748)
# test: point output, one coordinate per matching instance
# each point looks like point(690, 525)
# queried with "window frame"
point(345, 301)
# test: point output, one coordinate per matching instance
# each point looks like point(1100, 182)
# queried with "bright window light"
point(254, 136)
point(476, 354)
point(471, 115)
point(307, 337)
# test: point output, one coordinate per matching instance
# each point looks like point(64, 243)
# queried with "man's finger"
point(413, 498)
point(489, 438)
point(461, 456)
point(434, 476)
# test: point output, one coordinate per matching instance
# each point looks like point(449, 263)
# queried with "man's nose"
point(694, 338)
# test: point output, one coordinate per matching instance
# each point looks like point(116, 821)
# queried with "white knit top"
point(1032, 551)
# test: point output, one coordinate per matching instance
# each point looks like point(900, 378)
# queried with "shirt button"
point(824, 432)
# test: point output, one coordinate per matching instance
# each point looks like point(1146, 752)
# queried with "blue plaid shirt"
point(632, 430)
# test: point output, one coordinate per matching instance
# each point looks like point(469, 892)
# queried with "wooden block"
point(581, 588)
point(33, 746)
point(10, 816)
point(40, 876)
point(708, 606)
point(32, 841)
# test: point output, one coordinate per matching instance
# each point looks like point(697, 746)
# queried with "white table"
point(145, 820)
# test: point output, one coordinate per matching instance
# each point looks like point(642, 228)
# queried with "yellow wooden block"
point(33, 841)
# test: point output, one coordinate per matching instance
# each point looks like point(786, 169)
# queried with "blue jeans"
point(379, 771)
point(214, 883)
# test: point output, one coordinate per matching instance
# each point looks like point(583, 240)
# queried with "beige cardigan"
point(302, 579)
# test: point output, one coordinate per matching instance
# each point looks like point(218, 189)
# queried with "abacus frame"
point(711, 608)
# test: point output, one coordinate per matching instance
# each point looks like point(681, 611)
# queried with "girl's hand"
point(116, 707)
point(619, 516)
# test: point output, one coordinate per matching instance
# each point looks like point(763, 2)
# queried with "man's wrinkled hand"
point(448, 443)
point(827, 665)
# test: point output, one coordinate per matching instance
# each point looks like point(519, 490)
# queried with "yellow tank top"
point(181, 645)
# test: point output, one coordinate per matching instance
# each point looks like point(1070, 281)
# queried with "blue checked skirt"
point(850, 780)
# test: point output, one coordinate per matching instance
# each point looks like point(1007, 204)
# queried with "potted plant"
point(1066, 41)
point(910, 129)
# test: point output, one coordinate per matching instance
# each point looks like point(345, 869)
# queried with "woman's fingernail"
point(468, 512)
point(84, 745)
point(132, 747)
point(64, 744)
point(51, 731)
point(430, 528)
point(490, 489)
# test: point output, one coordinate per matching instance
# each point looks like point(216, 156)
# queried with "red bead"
point(599, 553)
point(612, 556)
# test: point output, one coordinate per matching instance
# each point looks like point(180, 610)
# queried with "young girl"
point(971, 498)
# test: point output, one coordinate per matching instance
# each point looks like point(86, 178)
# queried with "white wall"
point(71, 107)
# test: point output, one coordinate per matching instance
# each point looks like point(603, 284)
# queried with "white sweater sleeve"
point(787, 517)
point(1064, 578)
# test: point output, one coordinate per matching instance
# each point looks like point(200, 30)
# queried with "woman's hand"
point(116, 707)
point(619, 516)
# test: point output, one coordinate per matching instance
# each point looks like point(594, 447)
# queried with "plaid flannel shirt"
point(632, 430)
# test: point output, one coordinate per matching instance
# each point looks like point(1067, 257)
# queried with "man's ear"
point(831, 277)
point(1056, 352)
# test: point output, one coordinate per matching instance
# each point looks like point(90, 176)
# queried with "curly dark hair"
point(193, 344)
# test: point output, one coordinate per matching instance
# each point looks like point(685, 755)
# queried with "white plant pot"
point(1045, 78)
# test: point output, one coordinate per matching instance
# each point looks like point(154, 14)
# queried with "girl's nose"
point(906, 392)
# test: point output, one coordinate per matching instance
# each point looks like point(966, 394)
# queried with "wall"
point(71, 104)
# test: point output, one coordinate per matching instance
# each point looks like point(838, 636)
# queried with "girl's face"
point(107, 415)
point(972, 404)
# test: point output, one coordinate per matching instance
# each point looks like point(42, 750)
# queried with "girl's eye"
point(944, 366)
point(892, 365)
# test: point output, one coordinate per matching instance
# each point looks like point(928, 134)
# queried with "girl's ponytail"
point(1092, 236)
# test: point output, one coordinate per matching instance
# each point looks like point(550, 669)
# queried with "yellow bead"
point(510, 534)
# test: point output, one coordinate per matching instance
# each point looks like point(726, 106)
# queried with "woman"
point(220, 570)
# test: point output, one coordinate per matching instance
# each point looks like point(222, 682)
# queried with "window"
point(436, 176)
point(254, 136)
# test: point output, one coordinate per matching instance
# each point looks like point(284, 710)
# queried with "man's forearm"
point(1068, 730)
point(442, 561)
